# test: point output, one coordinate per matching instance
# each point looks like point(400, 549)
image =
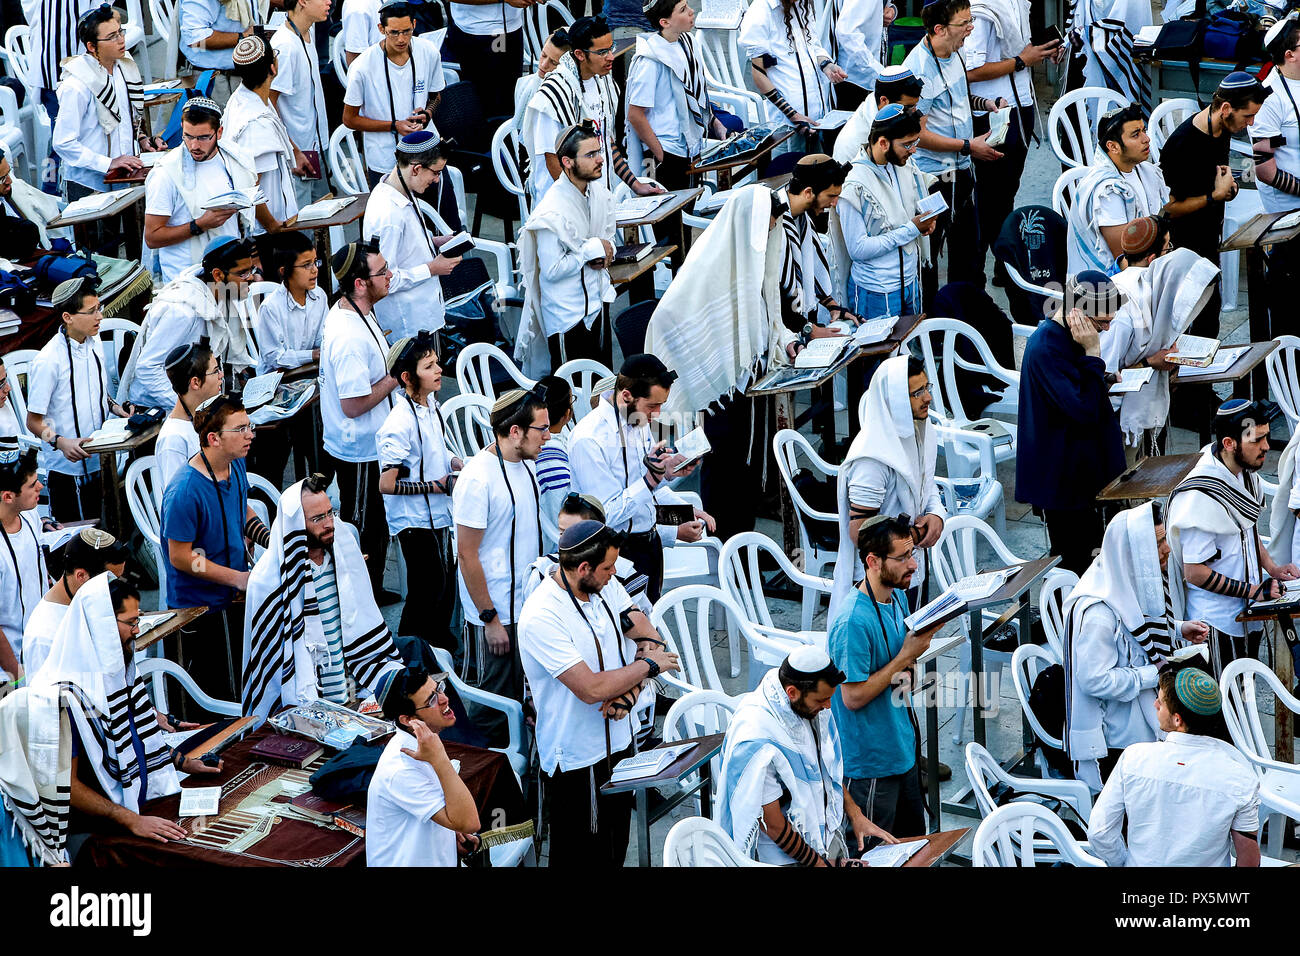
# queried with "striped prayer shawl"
point(1244, 509)
point(799, 236)
point(36, 770)
point(58, 37)
point(1123, 73)
point(325, 603)
point(282, 643)
point(560, 97)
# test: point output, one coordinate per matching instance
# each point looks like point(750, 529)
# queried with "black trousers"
point(211, 649)
point(1283, 274)
point(77, 497)
point(582, 342)
point(502, 675)
point(362, 506)
point(430, 586)
point(492, 63)
point(296, 441)
point(848, 96)
point(1226, 648)
point(892, 803)
point(672, 174)
point(1075, 533)
point(731, 478)
point(959, 231)
point(997, 182)
point(646, 552)
point(573, 843)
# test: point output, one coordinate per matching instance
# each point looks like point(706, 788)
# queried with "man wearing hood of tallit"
point(1119, 629)
point(1161, 300)
point(119, 760)
point(1217, 551)
point(719, 327)
point(312, 628)
point(889, 469)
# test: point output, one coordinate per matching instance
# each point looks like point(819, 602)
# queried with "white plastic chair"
point(517, 749)
point(536, 29)
point(32, 116)
point(582, 374)
point(338, 60)
point(346, 164)
point(144, 495)
point(156, 668)
point(1279, 782)
point(984, 774)
point(505, 163)
point(12, 138)
point(167, 26)
point(1022, 834)
point(1057, 586)
point(743, 557)
point(1239, 210)
point(988, 501)
point(1284, 378)
point(1027, 662)
point(1072, 123)
point(117, 336)
point(1063, 189)
point(469, 426)
point(697, 841)
point(474, 370)
point(1166, 118)
point(699, 714)
point(136, 40)
point(694, 562)
point(787, 446)
point(954, 556)
point(684, 619)
point(18, 365)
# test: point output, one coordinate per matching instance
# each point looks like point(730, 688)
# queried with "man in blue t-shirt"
point(205, 521)
point(870, 642)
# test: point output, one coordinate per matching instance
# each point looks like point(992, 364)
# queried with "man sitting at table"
point(565, 251)
point(1119, 629)
point(418, 810)
point(202, 302)
point(21, 200)
point(1217, 551)
point(1189, 800)
point(89, 554)
point(119, 760)
point(312, 628)
point(780, 795)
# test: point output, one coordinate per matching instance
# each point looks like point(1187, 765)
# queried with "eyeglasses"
point(205, 138)
point(439, 689)
point(241, 430)
point(215, 371)
point(4, 383)
point(911, 553)
point(95, 311)
point(111, 38)
point(925, 389)
point(7, 178)
point(401, 33)
point(248, 274)
point(960, 24)
point(911, 145)
point(324, 516)
point(133, 624)
point(541, 428)
point(385, 271)
point(314, 264)
point(606, 51)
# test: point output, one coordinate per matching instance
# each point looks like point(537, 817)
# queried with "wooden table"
point(626, 272)
point(939, 847)
point(1153, 477)
point(115, 516)
point(697, 758)
point(742, 164)
point(1237, 372)
point(670, 207)
point(126, 200)
point(181, 618)
point(344, 217)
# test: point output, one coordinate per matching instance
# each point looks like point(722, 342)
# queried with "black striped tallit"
point(792, 277)
point(1122, 72)
point(108, 745)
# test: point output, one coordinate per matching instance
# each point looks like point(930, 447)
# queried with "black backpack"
point(1047, 701)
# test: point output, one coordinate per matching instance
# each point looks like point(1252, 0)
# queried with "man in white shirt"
point(556, 45)
point(21, 200)
point(418, 810)
point(613, 456)
point(1121, 185)
point(176, 224)
point(195, 376)
point(67, 400)
point(95, 132)
point(52, 38)
point(1213, 515)
point(486, 37)
point(565, 250)
point(360, 20)
point(585, 668)
point(896, 84)
point(206, 301)
point(298, 95)
point(22, 562)
point(252, 124)
point(208, 33)
point(857, 36)
point(356, 395)
point(393, 88)
point(1190, 800)
point(1277, 158)
point(498, 535)
point(409, 240)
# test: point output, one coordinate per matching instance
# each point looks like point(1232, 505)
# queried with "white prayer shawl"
point(108, 111)
point(805, 753)
point(224, 327)
point(283, 646)
point(856, 131)
point(560, 97)
point(690, 91)
point(179, 166)
point(39, 208)
point(866, 186)
point(1210, 500)
point(805, 267)
point(104, 695)
point(236, 120)
point(1162, 301)
point(573, 218)
point(1085, 244)
point(1009, 19)
point(242, 12)
point(719, 323)
point(889, 437)
point(36, 770)
point(1281, 519)
point(1127, 578)
point(1103, 31)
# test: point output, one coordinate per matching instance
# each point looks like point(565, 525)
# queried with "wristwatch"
point(488, 616)
point(654, 668)
point(1020, 64)
point(965, 147)
point(194, 228)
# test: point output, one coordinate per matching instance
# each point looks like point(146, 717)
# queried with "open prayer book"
point(834, 119)
point(1225, 359)
point(1132, 379)
point(110, 433)
point(932, 205)
point(261, 389)
point(893, 854)
point(1196, 351)
point(638, 207)
point(999, 124)
point(289, 399)
point(233, 199)
point(694, 444)
point(955, 599)
point(90, 204)
point(647, 763)
point(822, 353)
point(149, 621)
point(868, 333)
point(1189, 651)
point(324, 208)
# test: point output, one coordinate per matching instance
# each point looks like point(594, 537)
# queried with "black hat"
point(646, 366)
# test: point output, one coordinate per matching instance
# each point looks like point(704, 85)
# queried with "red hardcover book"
point(317, 807)
point(285, 751)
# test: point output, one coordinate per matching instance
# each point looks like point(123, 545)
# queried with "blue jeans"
point(875, 305)
point(49, 173)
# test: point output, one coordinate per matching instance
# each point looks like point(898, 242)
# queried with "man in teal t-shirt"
point(870, 643)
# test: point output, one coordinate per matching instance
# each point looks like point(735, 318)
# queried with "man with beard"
point(806, 287)
point(20, 200)
point(1213, 534)
point(781, 797)
point(327, 639)
point(870, 640)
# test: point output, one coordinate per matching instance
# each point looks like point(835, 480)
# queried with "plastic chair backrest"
point(943, 374)
point(18, 365)
point(1072, 122)
point(1284, 377)
point(740, 567)
point(683, 618)
point(956, 553)
point(1012, 836)
point(167, 25)
point(505, 163)
point(1063, 189)
point(474, 370)
point(1166, 118)
point(1027, 662)
point(1051, 604)
point(984, 773)
point(144, 500)
point(698, 841)
point(117, 338)
point(698, 714)
point(583, 374)
point(18, 54)
point(346, 163)
point(469, 427)
point(1238, 685)
point(149, 666)
point(339, 60)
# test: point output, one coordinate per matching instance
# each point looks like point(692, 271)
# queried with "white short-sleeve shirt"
point(371, 78)
point(360, 24)
point(175, 445)
point(486, 19)
point(22, 579)
point(945, 102)
point(71, 397)
point(352, 355)
point(302, 99)
point(510, 528)
point(412, 436)
point(162, 198)
point(401, 800)
point(650, 86)
point(1277, 117)
point(553, 637)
